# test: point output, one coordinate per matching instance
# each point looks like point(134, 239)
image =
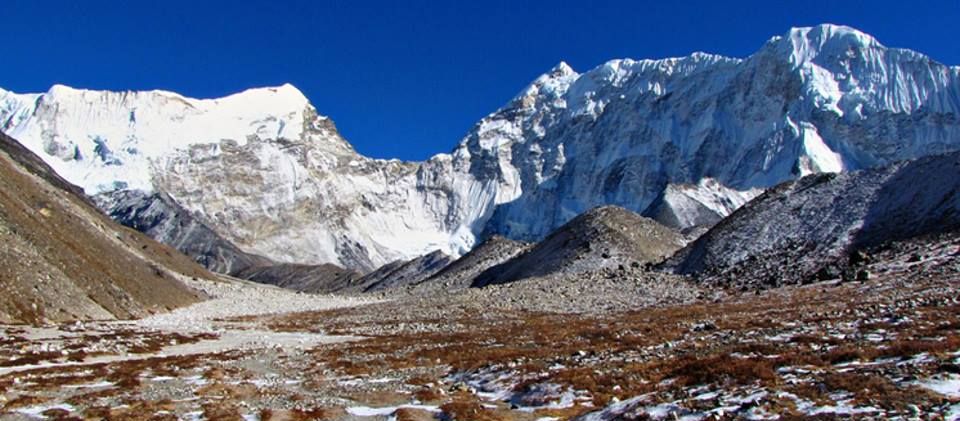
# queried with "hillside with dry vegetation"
point(64, 260)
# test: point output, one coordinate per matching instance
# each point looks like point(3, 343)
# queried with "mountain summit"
point(686, 140)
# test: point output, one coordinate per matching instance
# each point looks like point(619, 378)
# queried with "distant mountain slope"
point(327, 278)
point(686, 140)
point(63, 260)
point(604, 237)
point(820, 99)
point(460, 273)
point(323, 278)
point(164, 220)
point(403, 273)
point(809, 227)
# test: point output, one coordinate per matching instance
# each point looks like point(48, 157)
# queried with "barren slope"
point(304, 278)
point(817, 227)
point(461, 273)
point(404, 273)
point(62, 260)
point(603, 237)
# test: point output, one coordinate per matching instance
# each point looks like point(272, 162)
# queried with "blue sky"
point(407, 79)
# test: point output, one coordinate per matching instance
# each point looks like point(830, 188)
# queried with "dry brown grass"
point(623, 355)
point(465, 407)
point(58, 414)
point(301, 414)
point(379, 398)
point(411, 414)
point(221, 411)
point(429, 395)
point(32, 358)
point(89, 398)
point(722, 369)
point(878, 391)
point(230, 391)
point(24, 401)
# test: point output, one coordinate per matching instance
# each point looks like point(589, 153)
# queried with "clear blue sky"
point(406, 79)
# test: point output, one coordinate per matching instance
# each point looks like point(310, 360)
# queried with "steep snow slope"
point(699, 205)
point(814, 223)
point(685, 139)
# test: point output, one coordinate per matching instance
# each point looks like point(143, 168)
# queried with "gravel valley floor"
point(634, 345)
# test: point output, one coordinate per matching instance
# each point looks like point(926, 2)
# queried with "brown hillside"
point(62, 259)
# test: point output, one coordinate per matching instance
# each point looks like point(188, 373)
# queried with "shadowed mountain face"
point(604, 237)
point(461, 273)
point(815, 227)
point(402, 274)
point(164, 220)
point(304, 278)
point(64, 260)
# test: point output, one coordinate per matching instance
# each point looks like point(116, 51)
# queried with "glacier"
point(686, 140)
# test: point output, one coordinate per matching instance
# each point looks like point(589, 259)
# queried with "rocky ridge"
point(604, 237)
point(822, 226)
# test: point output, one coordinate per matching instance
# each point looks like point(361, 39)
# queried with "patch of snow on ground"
point(37, 411)
point(89, 385)
point(952, 414)
point(366, 411)
point(944, 384)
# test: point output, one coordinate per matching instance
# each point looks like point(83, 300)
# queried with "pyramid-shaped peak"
point(562, 69)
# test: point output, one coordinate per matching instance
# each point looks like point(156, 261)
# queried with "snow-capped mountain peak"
point(833, 41)
point(686, 139)
point(851, 73)
point(105, 140)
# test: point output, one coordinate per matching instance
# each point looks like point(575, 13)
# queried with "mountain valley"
point(697, 238)
point(685, 140)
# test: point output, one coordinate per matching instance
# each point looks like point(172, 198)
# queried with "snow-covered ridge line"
point(104, 140)
point(268, 173)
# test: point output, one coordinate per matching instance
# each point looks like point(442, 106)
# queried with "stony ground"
point(632, 345)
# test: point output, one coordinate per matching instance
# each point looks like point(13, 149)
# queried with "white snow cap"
point(102, 140)
point(809, 42)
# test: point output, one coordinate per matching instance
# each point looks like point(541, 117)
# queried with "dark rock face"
point(160, 217)
point(461, 273)
point(304, 278)
point(404, 273)
point(817, 227)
